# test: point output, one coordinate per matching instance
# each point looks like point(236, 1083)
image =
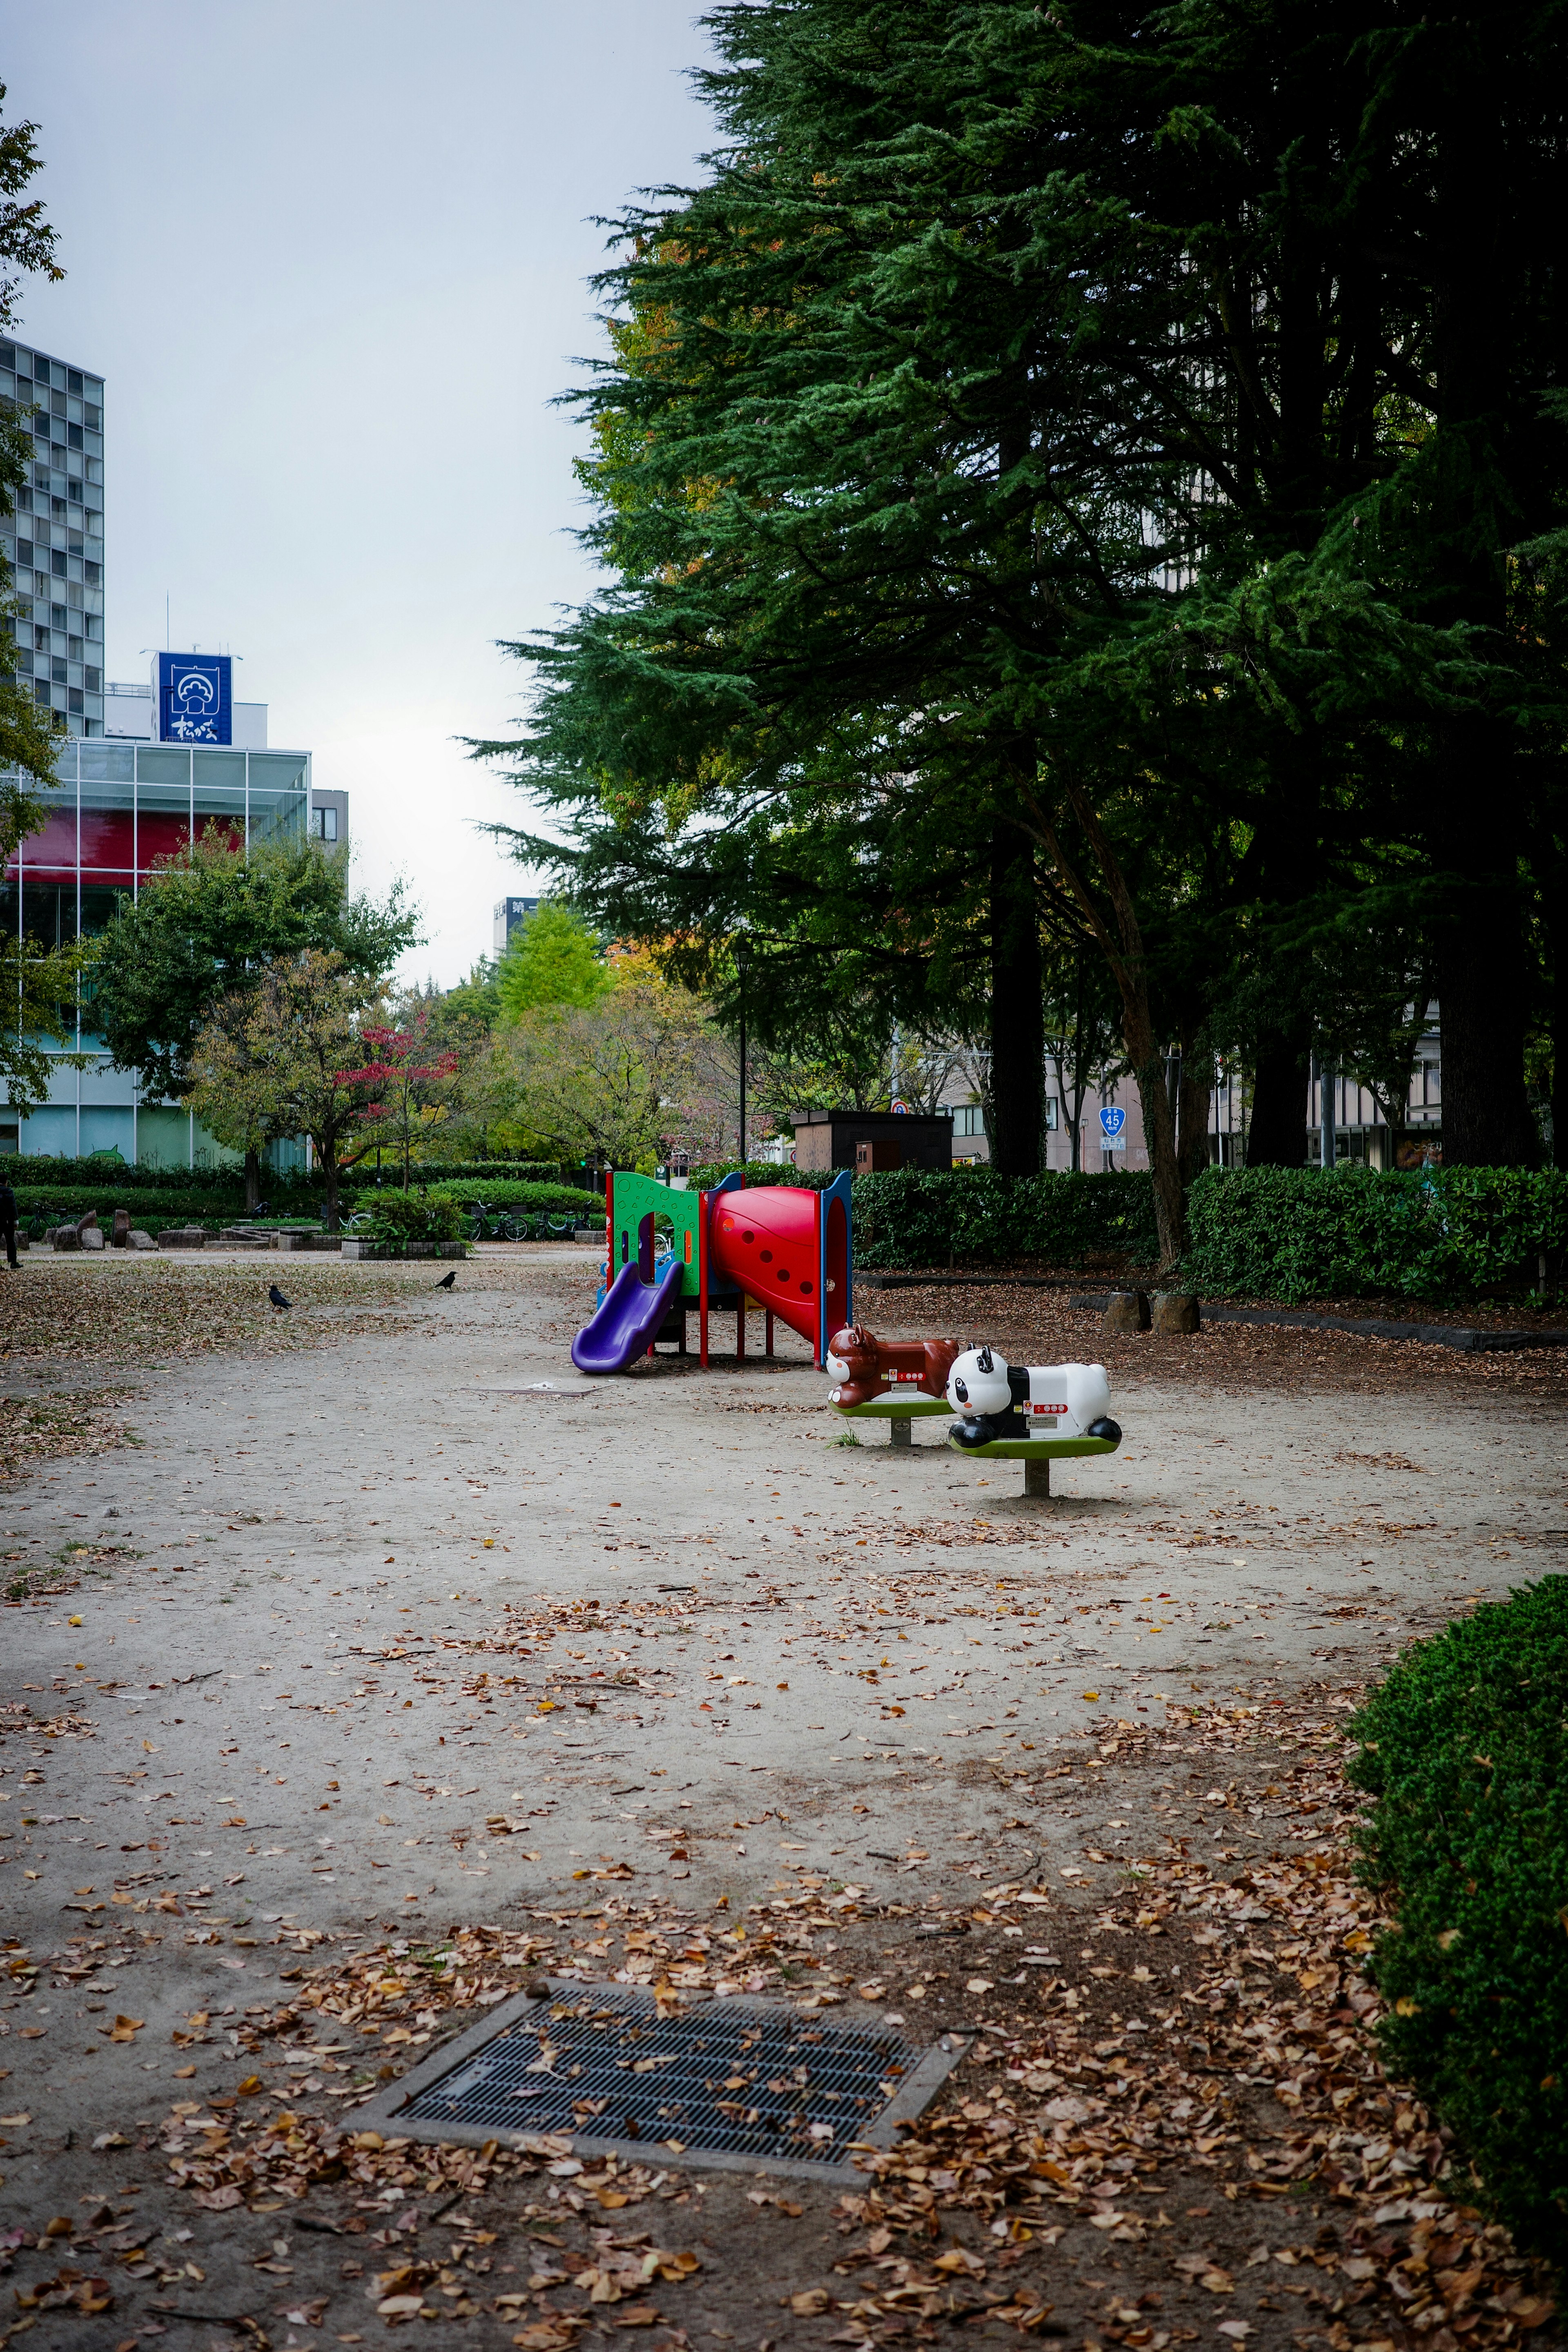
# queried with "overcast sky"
point(331, 259)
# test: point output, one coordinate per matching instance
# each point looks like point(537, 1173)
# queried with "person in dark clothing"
point(8, 1222)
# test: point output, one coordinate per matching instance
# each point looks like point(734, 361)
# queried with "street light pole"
point(742, 959)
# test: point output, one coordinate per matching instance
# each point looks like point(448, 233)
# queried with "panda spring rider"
point(998, 1400)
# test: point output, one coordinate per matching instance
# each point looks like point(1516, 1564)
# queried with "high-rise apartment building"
point(54, 543)
point(509, 914)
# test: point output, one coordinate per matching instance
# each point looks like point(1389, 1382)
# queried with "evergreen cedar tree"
point(1082, 475)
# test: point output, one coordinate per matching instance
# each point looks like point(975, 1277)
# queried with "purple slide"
point(625, 1320)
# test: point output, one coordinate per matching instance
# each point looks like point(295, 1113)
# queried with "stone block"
point(1176, 1311)
point(92, 1237)
point(594, 1233)
point(353, 1248)
point(122, 1233)
point(137, 1239)
point(419, 1249)
point(66, 1237)
point(1127, 1310)
point(183, 1237)
point(452, 1249)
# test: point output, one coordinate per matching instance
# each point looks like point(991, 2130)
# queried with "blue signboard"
point(195, 701)
point(1111, 1122)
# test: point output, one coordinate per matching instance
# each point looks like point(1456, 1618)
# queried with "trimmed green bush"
point(150, 1209)
point(395, 1219)
point(92, 1175)
point(972, 1216)
point(556, 1200)
point(1304, 1233)
point(476, 1173)
point(1466, 1756)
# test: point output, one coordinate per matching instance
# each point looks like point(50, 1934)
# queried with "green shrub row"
point(476, 1173)
point(394, 1219)
point(73, 1201)
point(556, 1199)
point(1464, 1755)
point(972, 1216)
point(94, 1179)
point(1299, 1233)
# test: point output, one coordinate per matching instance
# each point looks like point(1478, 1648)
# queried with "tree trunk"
point(252, 1182)
point(1555, 898)
point(329, 1160)
point(1481, 1007)
point(1123, 950)
point(1475, 812)
point(1281, 1080)
point(1017, 1007)
point(1193, 1149)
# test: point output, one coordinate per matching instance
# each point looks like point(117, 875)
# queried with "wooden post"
point(1038, 1475)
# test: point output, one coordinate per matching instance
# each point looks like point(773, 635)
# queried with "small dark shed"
point(864, 1140)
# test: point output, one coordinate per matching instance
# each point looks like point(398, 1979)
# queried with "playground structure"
point(785, 1250)
point(1004, 1411)
point(895, 1381)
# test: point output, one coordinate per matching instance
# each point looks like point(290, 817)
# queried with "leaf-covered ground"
point(1172, 2127)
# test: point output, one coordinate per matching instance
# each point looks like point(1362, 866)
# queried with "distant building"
point(54, 541)
point(509, 914)
point(122, 798)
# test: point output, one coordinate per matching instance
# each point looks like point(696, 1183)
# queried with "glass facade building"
point(114, 809)
point(54, 541)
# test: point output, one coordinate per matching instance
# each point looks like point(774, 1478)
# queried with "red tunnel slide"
point(768, 1240)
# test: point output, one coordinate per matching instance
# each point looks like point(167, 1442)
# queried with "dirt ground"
point(1107, 1851)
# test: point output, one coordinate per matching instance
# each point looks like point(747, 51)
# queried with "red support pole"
point(702, 1278)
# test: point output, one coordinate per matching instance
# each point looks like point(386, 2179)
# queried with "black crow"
point(277, 1298)
point(448, 1280)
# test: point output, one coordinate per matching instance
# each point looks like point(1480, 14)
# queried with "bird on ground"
point(448, 1280)
point(279, 1301)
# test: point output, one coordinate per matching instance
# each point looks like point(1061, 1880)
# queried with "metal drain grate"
point(734, 2084)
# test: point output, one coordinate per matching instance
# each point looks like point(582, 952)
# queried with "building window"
point(323, 824)
point(1053, 1112)
point(968, 1118)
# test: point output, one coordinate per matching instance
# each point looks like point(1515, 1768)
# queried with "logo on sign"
point(1112, 1120)
point(193, 698)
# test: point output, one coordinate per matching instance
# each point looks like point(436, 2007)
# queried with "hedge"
point(475, 1173)
point(1303, 1233)
point(969, 1216)
point(1466, 1756)
point(65, 1202)
point(94, 1177)
point(915, 1216)
point(397, 1218)
point(554, 1198)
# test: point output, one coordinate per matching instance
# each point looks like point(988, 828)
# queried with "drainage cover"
point(732, 2083)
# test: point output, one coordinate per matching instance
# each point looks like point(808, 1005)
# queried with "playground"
point(424, 1635)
